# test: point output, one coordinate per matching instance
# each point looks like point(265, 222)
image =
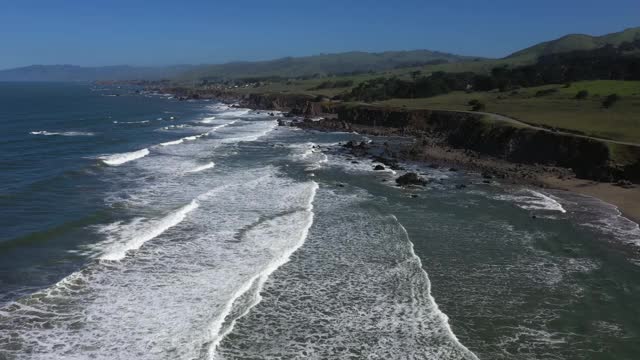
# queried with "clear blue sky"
point(108, 32)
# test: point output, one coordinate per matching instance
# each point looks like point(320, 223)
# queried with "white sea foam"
point(533, 200)
point(295, 227)
point(236, 113)
point(310, 154)
point(355, 271)
point(249, 131)
point(213, 129)
point(164, 299)
point(63, 133)
point(132, 236)
point(201, 168)
point(119, 159)
point(208, 120)
point(444, 319)
point(132, 122)
point(175, 142)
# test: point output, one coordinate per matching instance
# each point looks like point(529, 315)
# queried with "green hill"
point(325, 64)
point(575, 42)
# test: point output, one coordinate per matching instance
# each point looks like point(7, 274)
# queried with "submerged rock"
point(411, 179)
point(379, 168)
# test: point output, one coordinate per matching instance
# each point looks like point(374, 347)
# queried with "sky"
point(114, 32)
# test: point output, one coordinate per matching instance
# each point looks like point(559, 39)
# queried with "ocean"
point(136, 226)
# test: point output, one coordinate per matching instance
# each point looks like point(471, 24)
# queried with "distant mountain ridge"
point(573, 42)
point(339, 63)
point(80, 73)
point(323, 64)
point(284, 67)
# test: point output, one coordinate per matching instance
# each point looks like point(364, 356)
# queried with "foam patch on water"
point(132, 122)
point(246, 131)
point(208, 120)
point(63, 133)
point(200, 168)
point(533, 200)
point(119, 159)
point(310, 154)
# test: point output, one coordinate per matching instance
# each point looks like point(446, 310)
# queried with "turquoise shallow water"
point(138, 226)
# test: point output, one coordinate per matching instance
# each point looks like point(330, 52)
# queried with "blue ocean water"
point(134, 225)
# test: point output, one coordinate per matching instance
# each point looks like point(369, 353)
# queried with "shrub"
point(546, 92)
point(478, 106)
point(610, 100)
point(582, 94)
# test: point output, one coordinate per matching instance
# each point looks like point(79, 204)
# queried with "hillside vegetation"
point(574, 42)
point(324, 64)
point(559, 109)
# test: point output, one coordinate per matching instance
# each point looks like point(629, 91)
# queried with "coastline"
point(433, 152)
point(433, 146)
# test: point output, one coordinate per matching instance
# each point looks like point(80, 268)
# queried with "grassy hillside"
point(324, 64)
point(401, 63)
point(575, 42)
point(559, 109)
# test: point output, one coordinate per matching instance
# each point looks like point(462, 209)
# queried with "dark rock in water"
point(414, 196)
point(355, 162)
point(411, 179)
point(391, 164)
point(378, 168)
point(340, 184)
point(453, 169)
point(461, 186)
point(384, 180)
point(534, 217)
point(487, 175)
point(350, 144)
point(271, 114)
point(434, 166)
point(486, 181)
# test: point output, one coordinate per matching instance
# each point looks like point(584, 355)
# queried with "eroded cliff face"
point(589, 158)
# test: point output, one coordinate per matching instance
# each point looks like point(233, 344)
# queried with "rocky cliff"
point(589, 158)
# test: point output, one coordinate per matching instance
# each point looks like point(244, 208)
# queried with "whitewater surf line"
point(119, 159)
point(64, 133)
point(201, 168)
point(131, 238)
point(195, 137)
point(216, 331)
point(442, 316)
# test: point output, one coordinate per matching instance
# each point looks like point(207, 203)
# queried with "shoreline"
point(432, 148)
point(433, 152)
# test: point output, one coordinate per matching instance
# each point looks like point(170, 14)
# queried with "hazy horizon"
point(166, 34)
